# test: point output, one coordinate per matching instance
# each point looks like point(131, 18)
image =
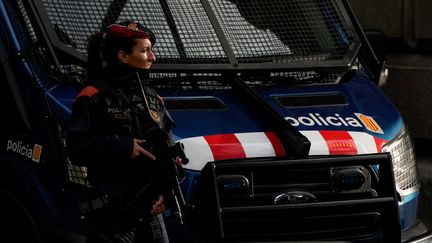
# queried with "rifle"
point(165, 171)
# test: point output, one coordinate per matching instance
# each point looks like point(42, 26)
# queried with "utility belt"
point(139, 204)
point(106, 201)
point(108, 210)
point(93, 205)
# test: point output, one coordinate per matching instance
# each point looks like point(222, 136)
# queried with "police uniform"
point(106, 116)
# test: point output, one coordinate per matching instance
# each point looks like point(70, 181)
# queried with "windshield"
point(231, 32)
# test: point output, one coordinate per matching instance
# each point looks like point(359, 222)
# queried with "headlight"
point(401, 149)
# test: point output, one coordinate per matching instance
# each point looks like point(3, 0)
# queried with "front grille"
point(326, 198)
point(268, 182)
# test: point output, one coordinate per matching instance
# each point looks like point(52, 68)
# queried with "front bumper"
point(249, 215)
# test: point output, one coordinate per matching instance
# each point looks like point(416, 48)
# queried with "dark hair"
point(102, 51)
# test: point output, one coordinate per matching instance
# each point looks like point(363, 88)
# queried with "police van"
point(277, 104)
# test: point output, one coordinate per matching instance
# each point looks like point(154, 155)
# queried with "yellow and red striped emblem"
point(369, 123)
point(37, 152)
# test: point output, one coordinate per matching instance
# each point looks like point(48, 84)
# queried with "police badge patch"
point(132, 26)
point(155, 115)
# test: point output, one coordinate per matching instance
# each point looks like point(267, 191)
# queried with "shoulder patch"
point(87, 91)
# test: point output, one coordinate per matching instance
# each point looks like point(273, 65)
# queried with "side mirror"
point(377, 40)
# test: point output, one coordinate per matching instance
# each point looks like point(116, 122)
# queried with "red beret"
point(131, 29)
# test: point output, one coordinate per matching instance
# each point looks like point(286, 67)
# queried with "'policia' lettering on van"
point(315, 119)
point(33, 153)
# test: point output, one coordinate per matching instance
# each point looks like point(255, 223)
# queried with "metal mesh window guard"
point(199, 33)
point(188, 31)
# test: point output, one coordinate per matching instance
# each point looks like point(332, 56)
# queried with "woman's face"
point(142, 55)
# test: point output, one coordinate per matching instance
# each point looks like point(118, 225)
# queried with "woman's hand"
point(158, 206)
point(138, 150)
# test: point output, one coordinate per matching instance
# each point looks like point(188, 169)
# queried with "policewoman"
point(110, 117)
